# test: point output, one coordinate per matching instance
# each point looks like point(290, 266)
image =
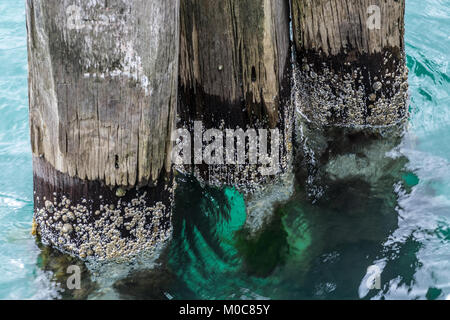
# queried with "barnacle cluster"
point(247, 177)
point(116, 229)
point(354, 95)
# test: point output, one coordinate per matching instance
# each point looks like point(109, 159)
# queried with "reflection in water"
point(311, 248)
point(57, 264)
point(384, 204)
point(315, 246)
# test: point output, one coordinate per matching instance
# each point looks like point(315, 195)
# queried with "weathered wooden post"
point(351, 89)
point(103, 93)
point(352, 60)
point(235, 74)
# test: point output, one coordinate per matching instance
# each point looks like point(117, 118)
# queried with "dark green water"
point(387, 204)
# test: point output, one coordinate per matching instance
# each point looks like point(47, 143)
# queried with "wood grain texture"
point(103, 81)
point(233, 60)
point(352, 90)
point(103, 87)
point(235, 73)
point(333, 25)
point(351, 56)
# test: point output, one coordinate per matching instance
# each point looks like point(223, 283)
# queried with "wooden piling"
point(103, 79)
point(104, 83)
point(351, 56)
point(235, 73)
point(351, 90)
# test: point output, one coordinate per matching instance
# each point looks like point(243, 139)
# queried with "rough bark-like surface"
point(352, 68)
point(234, 69)
point(103, 83)
point(103, 78)
point(234, 56)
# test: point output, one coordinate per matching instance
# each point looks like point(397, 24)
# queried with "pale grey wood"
point(333, 25)
point(103, 87)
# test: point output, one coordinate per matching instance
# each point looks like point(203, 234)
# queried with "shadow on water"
point(318, 245)
point(202, 223)
point(264, 252)
point(199, 210)
point(57, 264)
point(348, 182)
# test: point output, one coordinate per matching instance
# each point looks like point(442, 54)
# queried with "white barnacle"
point(120, 192)
point(67, 228)
point(71, 216)
point(377, 86)
point(49, 206)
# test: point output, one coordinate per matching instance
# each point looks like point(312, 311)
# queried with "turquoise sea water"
point(307, 251)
